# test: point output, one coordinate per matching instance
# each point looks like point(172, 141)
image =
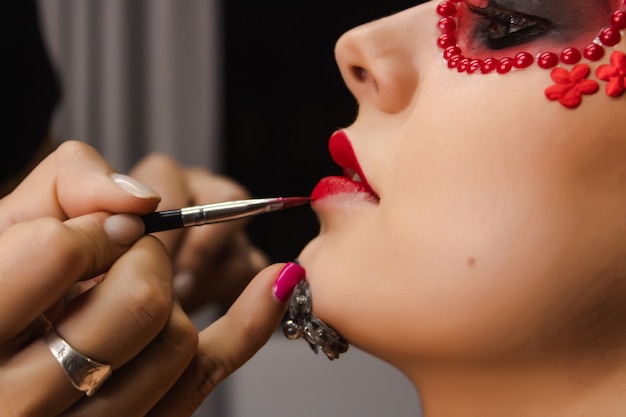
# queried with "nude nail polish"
point(134, 187)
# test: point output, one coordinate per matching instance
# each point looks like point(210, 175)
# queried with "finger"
point(206, 253)
point(169, 179)
point(221, 277)
point(41, 259)
point(111, 323)
point(72, 181)
point(187, 187)
point(226, 345)
point(136, 387)
point(205, 242)
point(238, 273)
point(208, 188)
point(130, 306)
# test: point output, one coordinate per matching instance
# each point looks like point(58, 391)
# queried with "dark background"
point(284, 97)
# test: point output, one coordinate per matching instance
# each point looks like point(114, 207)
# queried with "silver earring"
point(303, 323)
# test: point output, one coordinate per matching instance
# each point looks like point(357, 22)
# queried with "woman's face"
point(496, 219)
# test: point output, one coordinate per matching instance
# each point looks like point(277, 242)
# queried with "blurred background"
point(247, 89)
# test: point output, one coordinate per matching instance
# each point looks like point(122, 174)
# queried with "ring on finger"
point(84, 373)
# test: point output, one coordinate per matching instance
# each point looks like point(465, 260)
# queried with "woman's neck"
point(555, 388)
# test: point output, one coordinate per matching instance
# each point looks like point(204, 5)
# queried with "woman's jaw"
point(345, 206)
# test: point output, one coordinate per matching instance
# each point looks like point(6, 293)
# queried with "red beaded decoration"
point(570, 85)
point(610, 36)
point(615, 74)
point(504, 65)
point(618, 20)
point(489, 65)
point(523, 60)
point(594, 51)
point(548, 60)
point(447, 25)
point(570, 56)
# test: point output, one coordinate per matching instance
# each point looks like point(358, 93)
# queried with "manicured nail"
point(134, 187)
point(287, 279)
point(124, 229)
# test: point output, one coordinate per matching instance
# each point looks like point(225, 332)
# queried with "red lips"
point(354, 180)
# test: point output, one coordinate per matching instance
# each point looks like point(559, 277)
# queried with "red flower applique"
point(570, 86)
point(615, 74)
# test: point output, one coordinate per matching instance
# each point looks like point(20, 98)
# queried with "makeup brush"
point(160, 221)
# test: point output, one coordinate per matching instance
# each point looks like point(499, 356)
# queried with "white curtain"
point(138, 76)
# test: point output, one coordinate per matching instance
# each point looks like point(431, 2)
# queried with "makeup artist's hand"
point(57, 230)
point(212, 263)
point(223, 347)
point(57, 237)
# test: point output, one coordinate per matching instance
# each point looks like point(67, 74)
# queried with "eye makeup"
point(494, 28)
point(501, 35)
point(485, 36)
point(553, 22)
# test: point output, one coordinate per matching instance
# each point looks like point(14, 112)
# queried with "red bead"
point(504, 65)
point(463, 64)
point(570, 56)
point(593, 52)
point(523, 60)
point(547, 60)
point(454, 61)
point(475, 65)
point(445, 40)
point(446, 9)
point(610, 36)
point(489, 64)
point(446, 25)
point(451, 51)
point(618, 19)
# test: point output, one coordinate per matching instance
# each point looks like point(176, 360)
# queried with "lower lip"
point(330, 186)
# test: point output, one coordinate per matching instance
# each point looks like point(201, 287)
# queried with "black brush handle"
point(163, 220)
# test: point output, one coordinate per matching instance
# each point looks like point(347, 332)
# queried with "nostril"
point(363, 78)
point(359, 73)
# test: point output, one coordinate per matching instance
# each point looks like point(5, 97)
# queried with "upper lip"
point(343, 154)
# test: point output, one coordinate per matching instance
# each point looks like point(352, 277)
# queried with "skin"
point(212, 265)
point(492, 270)
point(61, 232)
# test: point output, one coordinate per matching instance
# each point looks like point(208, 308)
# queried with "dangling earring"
point(303, 323)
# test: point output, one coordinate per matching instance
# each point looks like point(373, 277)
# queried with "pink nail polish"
point(287, 279)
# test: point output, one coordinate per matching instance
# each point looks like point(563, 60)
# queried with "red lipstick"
point(353, 181)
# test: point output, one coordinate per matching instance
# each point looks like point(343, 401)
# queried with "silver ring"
point(84, 373)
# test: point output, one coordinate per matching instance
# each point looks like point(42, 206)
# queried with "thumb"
point(72, 181)
point(233, 339)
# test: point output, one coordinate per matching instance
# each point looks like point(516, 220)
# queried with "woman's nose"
point(377, 62)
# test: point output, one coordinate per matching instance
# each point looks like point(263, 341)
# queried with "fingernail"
point(124, 229)
point(287, 279)
point(134, 187)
